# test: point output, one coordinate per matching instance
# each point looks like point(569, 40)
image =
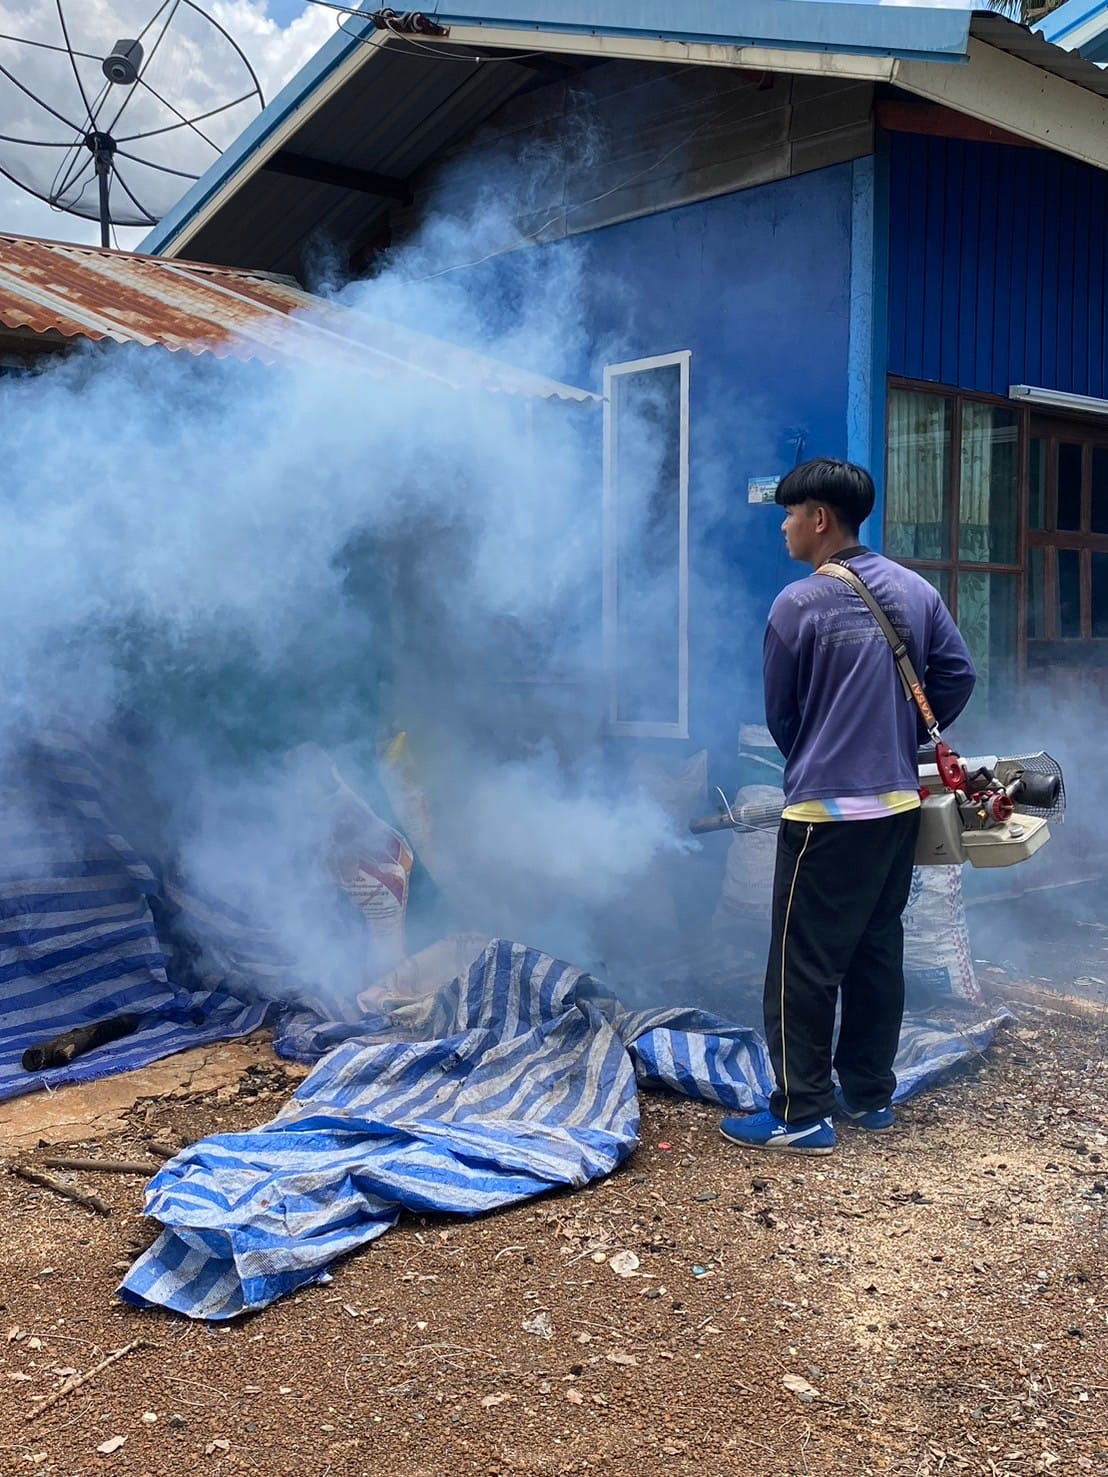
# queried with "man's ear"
point(823, 518)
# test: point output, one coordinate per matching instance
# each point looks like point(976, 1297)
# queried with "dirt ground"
point(931, 1300)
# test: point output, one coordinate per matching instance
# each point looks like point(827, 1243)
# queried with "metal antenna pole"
point(105, 222)
point(102, 148)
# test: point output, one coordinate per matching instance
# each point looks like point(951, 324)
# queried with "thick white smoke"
point(249, 559)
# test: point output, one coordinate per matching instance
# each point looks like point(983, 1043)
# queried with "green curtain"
point(918, 481)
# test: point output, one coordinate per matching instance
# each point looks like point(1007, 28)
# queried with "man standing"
point(837, 711)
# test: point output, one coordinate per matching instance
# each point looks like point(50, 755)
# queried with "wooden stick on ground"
point(164, 1151)
point(105, 1166)
point(93, 1202)
point(77, 1380)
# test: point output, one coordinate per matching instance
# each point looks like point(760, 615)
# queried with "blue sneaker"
point(876, 1120)
point(767, 1131)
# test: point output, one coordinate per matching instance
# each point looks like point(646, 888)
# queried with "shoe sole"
point(853, 1123)
point(780, 1148)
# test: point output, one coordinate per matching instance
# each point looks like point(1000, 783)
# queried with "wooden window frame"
point(1083, 541)
point(1051, 427)
point(953, 565)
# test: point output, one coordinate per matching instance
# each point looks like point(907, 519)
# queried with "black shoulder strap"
point(909, 679)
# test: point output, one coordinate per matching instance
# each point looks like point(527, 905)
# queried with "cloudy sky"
point(277, 37)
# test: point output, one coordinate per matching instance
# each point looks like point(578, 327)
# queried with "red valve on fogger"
point(999, 807)
point(980, 789)
point(949, 764)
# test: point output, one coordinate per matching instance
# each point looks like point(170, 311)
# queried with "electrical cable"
point(566, 211)
point(398, 40)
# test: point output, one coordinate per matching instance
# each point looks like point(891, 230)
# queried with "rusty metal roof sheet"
point(94, 293)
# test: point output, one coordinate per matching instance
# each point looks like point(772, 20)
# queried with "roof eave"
point(1009, 83)
point(816, 37)
point(920, 31)
point(343, 54)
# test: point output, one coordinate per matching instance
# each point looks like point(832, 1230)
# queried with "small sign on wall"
point(761, 489)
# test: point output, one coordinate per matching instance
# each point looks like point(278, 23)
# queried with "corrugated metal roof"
point(1031, 47)
point(1078, 25)
point(90, 292)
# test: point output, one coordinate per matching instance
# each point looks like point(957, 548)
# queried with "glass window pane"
point(987, 619)
point(1100, 594)
point(1069, 486)
point(1069, 594)
point(989, 487)
point(1036, 594)
point(1036, 515)
point(917, 484)
point(1098, 521)
point(940, 579)
point(645, 488)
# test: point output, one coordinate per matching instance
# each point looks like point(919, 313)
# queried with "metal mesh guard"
point(1042, 763)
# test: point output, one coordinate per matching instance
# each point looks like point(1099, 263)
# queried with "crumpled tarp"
point(518, 1076)
point(78, 939)
point(484, 1084)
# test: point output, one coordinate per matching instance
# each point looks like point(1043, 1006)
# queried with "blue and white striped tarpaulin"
point(516, 1077)
point(78, 941)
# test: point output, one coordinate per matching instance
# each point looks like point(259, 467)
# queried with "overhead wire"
point(564, 212)
point(441, 53)
point(398, 40)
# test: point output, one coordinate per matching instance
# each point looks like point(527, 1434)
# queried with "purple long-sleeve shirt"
point(834, 703)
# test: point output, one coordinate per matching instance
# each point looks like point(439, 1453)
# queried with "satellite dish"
point(110, 110)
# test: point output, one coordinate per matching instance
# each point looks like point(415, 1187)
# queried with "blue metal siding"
point(996, 267)
point(860, 366)
point(868, 336)
point(873, 530)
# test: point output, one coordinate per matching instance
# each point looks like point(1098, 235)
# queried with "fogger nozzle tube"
point(1042, 791)
point(745, 818)
point(708, 823)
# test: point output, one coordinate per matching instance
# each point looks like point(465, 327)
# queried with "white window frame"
point(610, 593)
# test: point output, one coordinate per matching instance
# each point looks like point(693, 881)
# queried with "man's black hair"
point(841, 486)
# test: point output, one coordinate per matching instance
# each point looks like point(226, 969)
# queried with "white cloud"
point(194, 71)
point(275, 52)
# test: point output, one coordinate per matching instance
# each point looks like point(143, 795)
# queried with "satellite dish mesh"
point(111, 109)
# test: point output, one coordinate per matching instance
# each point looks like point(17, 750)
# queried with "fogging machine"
point(988, 812)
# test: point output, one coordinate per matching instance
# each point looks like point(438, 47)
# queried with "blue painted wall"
point(758, 285)
point(997, 260)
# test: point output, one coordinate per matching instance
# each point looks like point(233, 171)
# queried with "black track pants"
point(839, 889)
